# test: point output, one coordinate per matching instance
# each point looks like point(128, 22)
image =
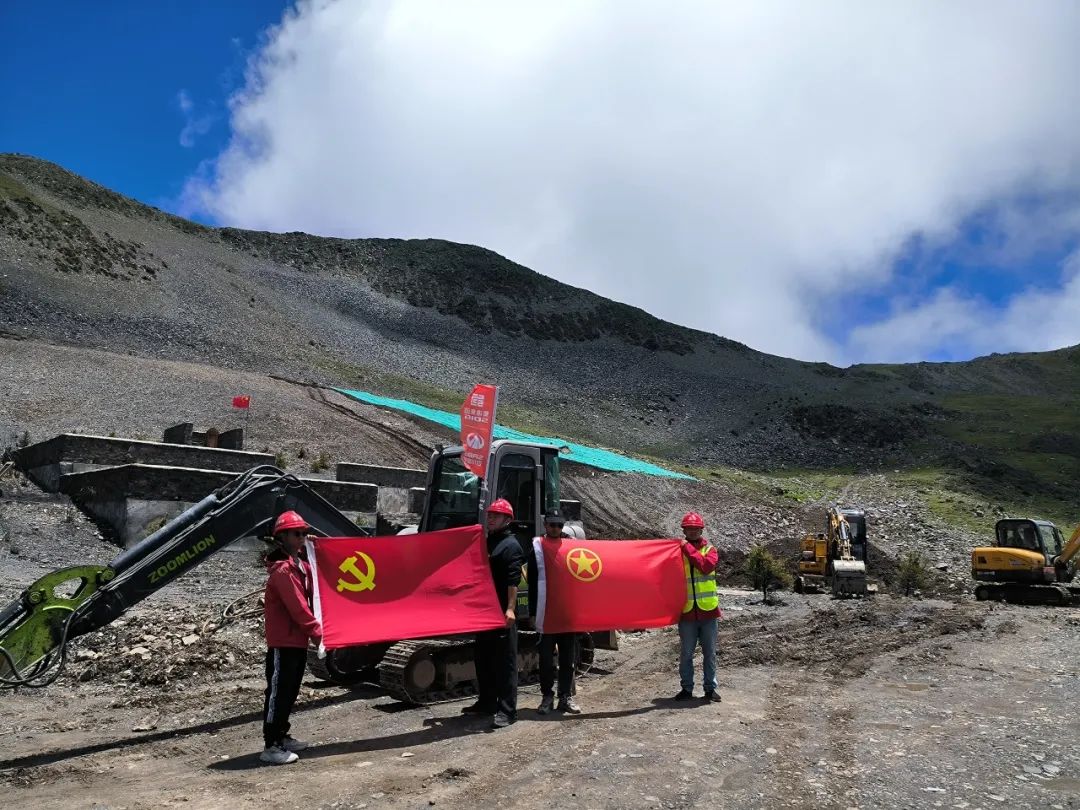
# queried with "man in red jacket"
point(700, 611)
point(289, 625)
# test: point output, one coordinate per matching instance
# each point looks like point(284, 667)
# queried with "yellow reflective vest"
point(521, 608)
point(700, 588)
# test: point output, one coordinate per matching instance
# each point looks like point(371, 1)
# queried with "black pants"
point(284, 672)
point(567, 644)
point(497, 670)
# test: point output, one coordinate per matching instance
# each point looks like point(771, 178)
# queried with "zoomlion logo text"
point(584, 564)
point(184, 556)
point(362, 580)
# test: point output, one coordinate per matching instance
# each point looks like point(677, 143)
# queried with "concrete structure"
point(395, 477)
point(45, 462)
point(401, 491)
point(130, 501)
point(185, 433)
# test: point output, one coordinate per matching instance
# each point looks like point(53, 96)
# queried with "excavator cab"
point(1039, 536)
point(1030, 562)
point(527, 475)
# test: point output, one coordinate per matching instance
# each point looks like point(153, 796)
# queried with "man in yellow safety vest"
point(701, 611)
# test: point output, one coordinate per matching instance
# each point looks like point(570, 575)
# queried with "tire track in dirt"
point(318, 393)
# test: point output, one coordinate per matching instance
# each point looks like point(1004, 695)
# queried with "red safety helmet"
point(289, 520)
point(501, 507)
point(692, 520)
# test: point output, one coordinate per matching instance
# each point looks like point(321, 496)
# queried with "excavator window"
point(1023, 534)
point(1051, 538)
point(551, 482)
point(456, 497)
point(517, 483)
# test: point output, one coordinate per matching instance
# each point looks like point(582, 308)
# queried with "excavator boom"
point(1070, 550)
point(65, 604)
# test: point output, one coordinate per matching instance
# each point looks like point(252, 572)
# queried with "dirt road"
point(886, 703)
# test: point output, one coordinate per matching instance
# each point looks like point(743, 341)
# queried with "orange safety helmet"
point(692, 520)
point(501, 507)
point(289, 520)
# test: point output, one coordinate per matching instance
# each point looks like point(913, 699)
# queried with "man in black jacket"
point(565, 642)
point(495, 651)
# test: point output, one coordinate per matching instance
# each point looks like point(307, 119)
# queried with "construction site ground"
point(885, 702)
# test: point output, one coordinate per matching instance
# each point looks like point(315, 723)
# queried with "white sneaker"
point(276, 755)
point(293, 744)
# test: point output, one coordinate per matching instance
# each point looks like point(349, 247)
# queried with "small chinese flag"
point(242, 401)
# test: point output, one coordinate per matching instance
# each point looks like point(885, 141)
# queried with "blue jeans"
point(690, 633)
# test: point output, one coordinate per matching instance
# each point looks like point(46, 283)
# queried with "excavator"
point(836, 558)
point(1030, 563)
point(37, 627)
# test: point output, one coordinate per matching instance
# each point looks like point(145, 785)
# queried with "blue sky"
point(96, 87)
point(864, 182)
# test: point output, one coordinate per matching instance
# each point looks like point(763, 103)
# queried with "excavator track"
point(437, 670)
point(1058, 594)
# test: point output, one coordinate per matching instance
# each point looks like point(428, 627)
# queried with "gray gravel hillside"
point(84, 267)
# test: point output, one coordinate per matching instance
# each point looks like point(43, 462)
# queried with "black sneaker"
point(546, 704)
point(684, 695)
point(567, 705)
point(712, 697)
point(478, 708)
point(501, 720)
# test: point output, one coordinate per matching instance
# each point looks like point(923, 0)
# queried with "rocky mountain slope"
point(84, 267)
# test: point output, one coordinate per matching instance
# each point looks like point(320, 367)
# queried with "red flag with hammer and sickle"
point(372, 589)
point(586, 585)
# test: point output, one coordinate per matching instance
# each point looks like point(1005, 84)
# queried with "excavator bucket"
point(849, 578)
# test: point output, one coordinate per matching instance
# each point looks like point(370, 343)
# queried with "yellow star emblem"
point(584, 564)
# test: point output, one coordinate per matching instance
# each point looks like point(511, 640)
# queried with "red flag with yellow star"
point(373, 589)
point(586, 585)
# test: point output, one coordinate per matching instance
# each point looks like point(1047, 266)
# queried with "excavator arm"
point(70, 602)
point(1070, 550)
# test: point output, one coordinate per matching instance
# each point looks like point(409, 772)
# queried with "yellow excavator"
point(836, 558)
point(1030, 562)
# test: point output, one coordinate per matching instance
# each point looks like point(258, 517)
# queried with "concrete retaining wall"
point(396, 477)
point(45, 462)
point(130, 501)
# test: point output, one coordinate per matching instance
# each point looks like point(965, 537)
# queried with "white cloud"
point(194, 125)
point(726, 166)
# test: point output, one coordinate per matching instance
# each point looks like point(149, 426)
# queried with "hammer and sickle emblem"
point(363, 580)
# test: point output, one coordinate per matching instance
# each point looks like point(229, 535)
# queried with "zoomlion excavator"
point(836, 558)
point(1029, 562)
point(36, 628)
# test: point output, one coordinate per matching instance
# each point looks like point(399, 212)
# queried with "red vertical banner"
point(242, 401)
point(477, 425)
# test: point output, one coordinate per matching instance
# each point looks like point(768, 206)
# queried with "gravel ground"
point(885, 703)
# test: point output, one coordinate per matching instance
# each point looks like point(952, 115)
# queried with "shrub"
point(913, 573)
point(765, 571)
point(321, 463)
point(280, 460)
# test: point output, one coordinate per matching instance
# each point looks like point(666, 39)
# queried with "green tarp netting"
point(579, 453)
